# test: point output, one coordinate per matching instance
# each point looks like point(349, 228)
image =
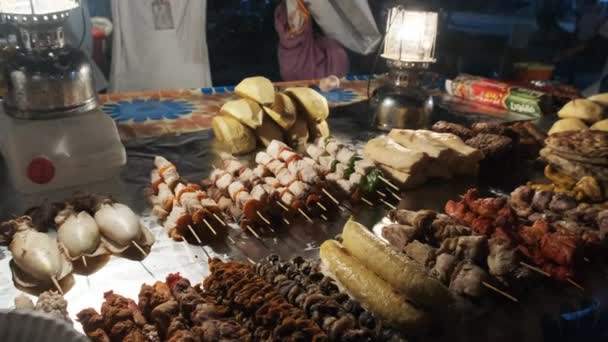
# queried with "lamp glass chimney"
point(410, 36)
point(36, 7)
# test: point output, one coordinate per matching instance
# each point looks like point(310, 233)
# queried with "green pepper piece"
point(333, 165)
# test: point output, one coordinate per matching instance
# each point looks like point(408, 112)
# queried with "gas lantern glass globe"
point(36, 7)
point(410, 36)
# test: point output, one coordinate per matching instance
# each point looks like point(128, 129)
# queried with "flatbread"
point(575, 169)
point(585, 143)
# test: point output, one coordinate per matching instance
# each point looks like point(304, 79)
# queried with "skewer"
point(286, 222)
point(231, 240)
point(321, 206)
point(195, 235)
point(332, 198)
point(380, 193)
point(500, 291)
point(586, 259)
point(282, 206)
point(388, 183)
point(251, 261)
point(396, 196)
point(534, 268)
point(84, 261)
point(575, 284)
point(139, 248)
point(262, 217)
point(304, 214)
point(57, 286)
point(367, 201)
point(253, 232)
point(388, 204)
point(219, 219)
point(210, 227)
point(324, 217)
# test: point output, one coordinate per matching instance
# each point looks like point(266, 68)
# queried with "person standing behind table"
point(304, 55)
point(159, 44)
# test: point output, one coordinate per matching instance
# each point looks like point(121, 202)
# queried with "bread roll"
point(582, 109)
point(601, 99)
point(569, 124)
point(246, 111)
point(269, 131)
point(233, 135)
point(318, 129)
point(313, 104)
point(601, 125)
point(283, 111)
point(297, 135)
point(258, 89)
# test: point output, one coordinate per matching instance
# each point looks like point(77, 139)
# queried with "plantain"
point(372, 291)
point(394, 267)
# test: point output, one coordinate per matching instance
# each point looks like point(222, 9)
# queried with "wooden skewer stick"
point(388, 204)
point(141, 250)
point(231, 240)
point(367, 201)
point(332, 198)
point(586, 259)
point(304, 214)
point(575, 284)
point(195, 235)
point(251, 261)
point(396, 196)
point(321, 206)
point(262, 217)
point(219, 219)
point(380, 193)
point(84, 261)
point(282, 206)
point(286, 222)
point(388, 183)
point(210, 227)
point(534, 268)
point(253, 232)
point(324, 217)
point(57, 286)
point(500, 291)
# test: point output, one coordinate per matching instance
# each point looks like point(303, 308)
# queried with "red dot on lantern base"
point(41, 170)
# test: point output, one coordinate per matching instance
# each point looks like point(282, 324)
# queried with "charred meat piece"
point(490, 127)
point(468, 279)
point(561, 202)
point(521, 201)
point(461, 131)
point(560, 248)
point(502, 259)
point(444, 267)
point(541, 200)
point(399, 235)
point(421, 253)
point(466, 247)
point(444, 227)
point(493, 146)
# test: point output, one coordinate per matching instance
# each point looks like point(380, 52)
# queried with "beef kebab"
point(342, 318)
point(553, 252)
point(562, 212)
point(451, 254)
point(351, 172)
point(257, 305)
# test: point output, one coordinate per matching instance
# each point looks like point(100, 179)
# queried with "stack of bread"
point(583, 114)
point(410, 157)
point(579, 154)
point(262, 115)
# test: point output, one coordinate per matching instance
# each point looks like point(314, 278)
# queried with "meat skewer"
point(554, 252)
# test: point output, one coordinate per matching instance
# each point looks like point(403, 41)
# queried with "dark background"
point(242, 40)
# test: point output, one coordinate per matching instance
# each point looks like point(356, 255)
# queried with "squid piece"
point(37, 258)
point(79, 234)
point(120, 228)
